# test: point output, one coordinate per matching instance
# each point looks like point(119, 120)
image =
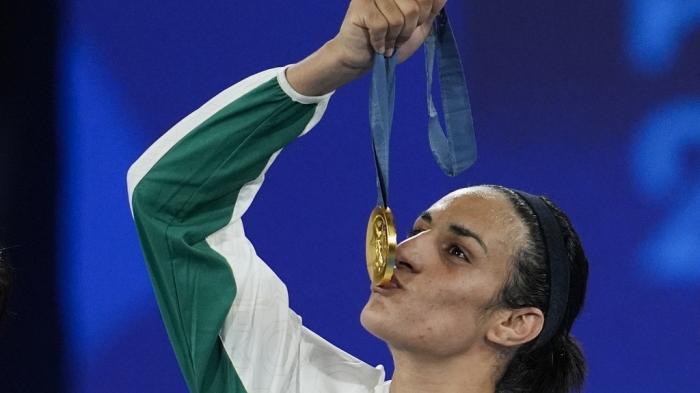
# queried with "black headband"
point(557, 259)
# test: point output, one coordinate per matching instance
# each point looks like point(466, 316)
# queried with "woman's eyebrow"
point(427, 217)
point(458, 230)
point(466, 232)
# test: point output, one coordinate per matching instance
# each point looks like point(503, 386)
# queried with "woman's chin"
point(375, 320)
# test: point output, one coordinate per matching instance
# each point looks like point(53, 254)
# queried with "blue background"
point(595, 104)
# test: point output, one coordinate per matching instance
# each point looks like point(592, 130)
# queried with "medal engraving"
point(380, 245)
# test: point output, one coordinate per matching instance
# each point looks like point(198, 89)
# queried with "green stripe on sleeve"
point(189, 194)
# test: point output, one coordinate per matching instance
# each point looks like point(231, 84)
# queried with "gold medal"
point(381, 245)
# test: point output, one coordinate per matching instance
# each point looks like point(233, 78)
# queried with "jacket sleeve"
point(225, 312)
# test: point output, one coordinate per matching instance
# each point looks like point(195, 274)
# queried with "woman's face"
point(448, 271)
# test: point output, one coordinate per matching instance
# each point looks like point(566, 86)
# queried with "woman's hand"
point(381, 26)
point(369, 27)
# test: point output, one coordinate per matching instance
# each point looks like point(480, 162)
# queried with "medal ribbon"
point(455, 150)
point(381, 113)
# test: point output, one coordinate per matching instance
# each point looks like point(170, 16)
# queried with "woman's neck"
point(465, 373)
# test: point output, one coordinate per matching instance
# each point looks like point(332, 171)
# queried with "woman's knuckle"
point(411, 10)
point(377, 23)
point(395, 22)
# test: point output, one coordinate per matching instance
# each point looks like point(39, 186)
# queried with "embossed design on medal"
point(379, 245)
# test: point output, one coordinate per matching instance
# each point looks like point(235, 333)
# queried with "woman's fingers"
point(378, 27)
point(394, 21)
point(402, 18)
point(409, 47)
point(425, 7)
point(382, 26)
point(411, 11)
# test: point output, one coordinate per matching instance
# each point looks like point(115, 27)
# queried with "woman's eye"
point(457, 252)
point(414, 232)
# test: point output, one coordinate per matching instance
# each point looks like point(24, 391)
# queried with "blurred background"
point(595, 104)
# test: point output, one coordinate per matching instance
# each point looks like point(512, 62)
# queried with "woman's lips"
point(392, 285)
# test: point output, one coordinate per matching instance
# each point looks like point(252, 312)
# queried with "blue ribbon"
point(455, 150)
point(381, 113)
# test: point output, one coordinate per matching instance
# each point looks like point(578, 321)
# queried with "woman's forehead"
point(481, 208)
point(472, 196)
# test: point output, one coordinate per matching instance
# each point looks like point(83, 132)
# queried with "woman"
point(475, 304)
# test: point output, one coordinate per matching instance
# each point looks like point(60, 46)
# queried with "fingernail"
point(389, 52)
point(381, 50)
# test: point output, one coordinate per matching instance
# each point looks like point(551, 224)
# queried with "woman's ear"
point(514, 327)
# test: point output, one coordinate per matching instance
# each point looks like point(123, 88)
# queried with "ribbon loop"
point(455, 150)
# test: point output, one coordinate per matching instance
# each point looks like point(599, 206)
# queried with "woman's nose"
point(410, 253)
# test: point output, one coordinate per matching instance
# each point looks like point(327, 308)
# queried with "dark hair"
point(557, 366)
